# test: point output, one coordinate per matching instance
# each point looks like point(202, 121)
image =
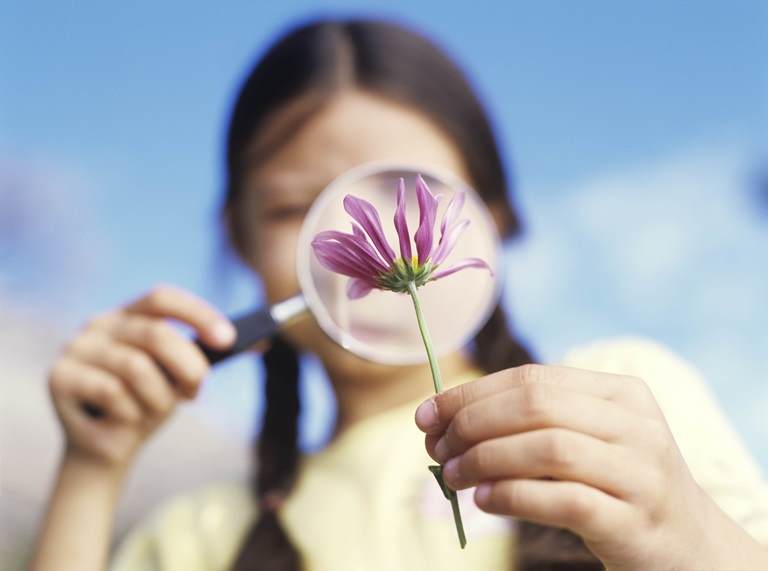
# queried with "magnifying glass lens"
point(382, 326)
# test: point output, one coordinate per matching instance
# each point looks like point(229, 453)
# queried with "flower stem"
point(437, 471)
point(433, 364)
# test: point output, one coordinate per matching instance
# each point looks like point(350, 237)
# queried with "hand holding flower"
point(590, 452)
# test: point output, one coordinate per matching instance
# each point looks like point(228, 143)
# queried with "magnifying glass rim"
point(304, 252)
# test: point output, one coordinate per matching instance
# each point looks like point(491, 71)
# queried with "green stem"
point(427, 339)
point(435, 367)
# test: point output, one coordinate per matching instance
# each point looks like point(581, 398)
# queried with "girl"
point(582, 453)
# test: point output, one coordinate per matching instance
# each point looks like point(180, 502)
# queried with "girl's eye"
point(280, 213)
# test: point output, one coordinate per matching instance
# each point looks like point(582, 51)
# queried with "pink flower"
point(367, 258)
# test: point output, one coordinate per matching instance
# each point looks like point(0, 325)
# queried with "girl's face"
point(353, 128)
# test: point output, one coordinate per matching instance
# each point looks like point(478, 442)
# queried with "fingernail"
point(451, 471)
point(426, 415)
point(223, 332)
point(483, 493)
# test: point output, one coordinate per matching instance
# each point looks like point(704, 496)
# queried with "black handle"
point(251, 328)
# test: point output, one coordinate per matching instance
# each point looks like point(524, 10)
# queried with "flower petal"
point(427, 215)
point(366, 215)
point(453, 210)
point(448, 241)
point(401, 224)
point(357, 231)
point(338, 259)
point(358, 244)
point(463, 264)
point(357, 288)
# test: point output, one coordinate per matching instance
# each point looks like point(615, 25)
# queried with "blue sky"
point(632, 129)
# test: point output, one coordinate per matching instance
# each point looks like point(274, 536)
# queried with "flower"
point(367, 258)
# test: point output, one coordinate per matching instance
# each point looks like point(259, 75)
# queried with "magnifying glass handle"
point(256, 325)
point(251, 328)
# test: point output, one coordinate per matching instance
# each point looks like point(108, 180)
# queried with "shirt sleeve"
point(201, 531)
point(716, 456)
point(136, 552)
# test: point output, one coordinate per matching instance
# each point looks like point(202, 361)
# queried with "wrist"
point(90, 468)
point(730, 546)
point(78, 522)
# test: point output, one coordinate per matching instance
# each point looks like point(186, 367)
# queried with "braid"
point(496, 348)
point(267, 546)
point(546, 548)
point(540, 547)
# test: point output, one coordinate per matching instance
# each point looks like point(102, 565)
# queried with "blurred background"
point(638, 134)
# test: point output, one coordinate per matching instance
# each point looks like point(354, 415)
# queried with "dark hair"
point(316, 61)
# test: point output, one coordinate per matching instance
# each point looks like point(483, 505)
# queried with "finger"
point(551, 453)
point(81, 384)
point(213, 328)
point(588, 512)
point(434, 414)
point(430, 441)
point(533, 406)
point(176, 354)
point(138, 371)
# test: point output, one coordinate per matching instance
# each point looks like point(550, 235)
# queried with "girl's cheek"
point(277, 260)
point(277, 266)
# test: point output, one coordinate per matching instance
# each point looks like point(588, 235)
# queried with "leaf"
point(451, 496)
point(437, 472)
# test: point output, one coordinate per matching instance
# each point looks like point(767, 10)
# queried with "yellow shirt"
point(367, 501)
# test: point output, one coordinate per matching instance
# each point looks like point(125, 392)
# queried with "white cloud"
point(49, 233)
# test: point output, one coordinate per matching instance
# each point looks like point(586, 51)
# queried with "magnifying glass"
point(382, 326)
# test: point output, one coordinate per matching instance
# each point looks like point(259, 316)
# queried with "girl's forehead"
point(353, 129)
